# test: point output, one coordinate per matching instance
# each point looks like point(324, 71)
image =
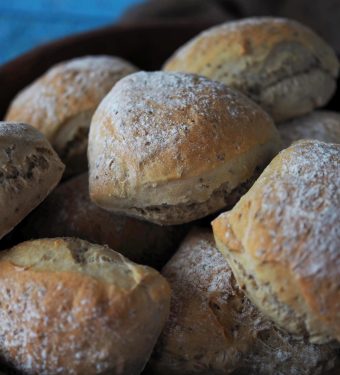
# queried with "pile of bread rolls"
point(230, 130)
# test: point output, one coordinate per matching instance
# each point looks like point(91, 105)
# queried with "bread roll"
point(71, 307)
point(282, 240)
point(29, 170)
point(321, 125)
point(282, 65)
point(61, 103)
point(68, 211)
point(214, 329)
point(172, 147)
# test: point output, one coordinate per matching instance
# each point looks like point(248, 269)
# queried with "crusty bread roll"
point(282, 65)
point(321, 125)
point(69, 212)
point(29, 170)
point(173, 147)
point(282, 240)
point(71, 307)
point(214, 329)
point(61, 103)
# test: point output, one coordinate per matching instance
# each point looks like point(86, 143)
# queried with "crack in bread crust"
point(11, 171)
point(168, 214)
point(252, 286)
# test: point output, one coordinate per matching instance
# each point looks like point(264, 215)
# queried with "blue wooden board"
point(25, 24)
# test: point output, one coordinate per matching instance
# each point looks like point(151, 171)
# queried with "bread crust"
point(282, 240)
point(29, 170)
point(321, 125)
point(214, 329)
point(279, 63)
point(69, 212)
point(68, 306)
point(61, 103)
point(169, 140)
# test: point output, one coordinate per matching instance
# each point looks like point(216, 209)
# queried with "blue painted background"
point(27, 23)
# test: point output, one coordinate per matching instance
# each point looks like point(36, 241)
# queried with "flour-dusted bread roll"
point(214, 329)
point(282, 240)
point(69, 212)
point(321, 125)
point(61, 103)
point(71, 307)
point(173, 147)
point(282, 65)
point(29, 170)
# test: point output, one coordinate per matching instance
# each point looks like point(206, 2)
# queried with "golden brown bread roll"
point(69, 212)
point(173, 147)
point(321, 125)
point(282, 240)
point(61, 103)
point(282, 65)
point(29, 170)
point(71, 307)
point(214, 329)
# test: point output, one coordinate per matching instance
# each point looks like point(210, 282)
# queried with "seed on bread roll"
point(29, 170)
point(173, 147)
point(61, 103)
point(214, 329)
point(71, 307)
point(321, 125)
point(279, 63)
point(69, 212)
point(282, 240)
